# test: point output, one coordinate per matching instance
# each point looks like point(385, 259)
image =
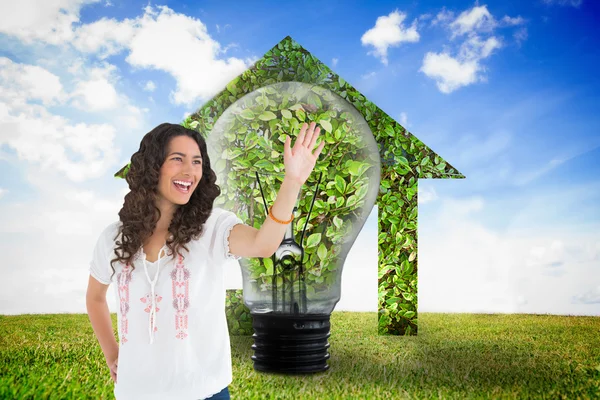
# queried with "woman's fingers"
point(319, 149)
point(309, 134)
point(314, 139)
point(300, 139)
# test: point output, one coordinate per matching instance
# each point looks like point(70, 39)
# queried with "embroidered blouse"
point(173, 335)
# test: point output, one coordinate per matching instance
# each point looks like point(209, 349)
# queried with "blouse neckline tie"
point(152, 317)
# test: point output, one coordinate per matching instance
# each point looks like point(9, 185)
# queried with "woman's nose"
point(188, 168)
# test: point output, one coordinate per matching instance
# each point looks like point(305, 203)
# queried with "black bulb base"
point(290, 344)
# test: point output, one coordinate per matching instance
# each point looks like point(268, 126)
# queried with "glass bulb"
point(291, 295)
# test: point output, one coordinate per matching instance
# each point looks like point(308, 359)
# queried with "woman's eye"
point(176, 158)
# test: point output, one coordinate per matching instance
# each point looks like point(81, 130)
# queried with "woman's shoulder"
point(109, 233)
point(220, 216)
point(214, 215)
point(218, 213)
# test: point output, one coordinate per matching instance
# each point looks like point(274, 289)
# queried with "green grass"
point(454, 356)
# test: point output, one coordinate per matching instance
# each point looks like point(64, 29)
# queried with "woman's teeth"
point(183, 187)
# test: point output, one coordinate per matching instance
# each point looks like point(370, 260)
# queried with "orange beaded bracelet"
point(279, 221)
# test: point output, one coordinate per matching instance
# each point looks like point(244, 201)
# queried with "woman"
point(170, 244)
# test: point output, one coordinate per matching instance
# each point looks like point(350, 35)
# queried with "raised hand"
point(299, 160)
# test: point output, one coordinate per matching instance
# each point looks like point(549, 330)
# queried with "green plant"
point(239, 320)
point(249, 138)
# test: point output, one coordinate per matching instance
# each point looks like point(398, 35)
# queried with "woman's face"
point(181, 171)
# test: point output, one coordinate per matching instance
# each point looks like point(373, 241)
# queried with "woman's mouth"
point(182, 186)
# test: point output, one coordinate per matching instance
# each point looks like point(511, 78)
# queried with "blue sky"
point(506, 93)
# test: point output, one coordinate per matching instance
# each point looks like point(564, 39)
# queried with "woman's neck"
point(166, 215)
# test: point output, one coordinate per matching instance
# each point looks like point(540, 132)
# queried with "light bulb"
point(291, 295)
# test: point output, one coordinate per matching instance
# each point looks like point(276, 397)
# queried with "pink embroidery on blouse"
point(180, 276)
point(147, 299)
point(123, 279)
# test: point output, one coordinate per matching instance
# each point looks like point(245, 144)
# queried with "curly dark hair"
point(140, 215)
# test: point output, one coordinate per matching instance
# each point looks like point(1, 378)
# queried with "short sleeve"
point(100, 264)
point(223, 221)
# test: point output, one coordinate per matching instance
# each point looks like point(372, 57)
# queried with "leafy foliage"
point(249, 138)
point(239, 320)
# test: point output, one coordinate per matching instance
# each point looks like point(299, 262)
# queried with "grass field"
point(455, 356)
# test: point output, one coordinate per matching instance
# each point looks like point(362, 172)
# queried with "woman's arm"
point(299, 162)
point(271, 233)
point(99, 316)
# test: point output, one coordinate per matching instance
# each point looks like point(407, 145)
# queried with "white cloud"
point(21, 81)
point(3, 192)
point(476, 49)
point(160, 39)
point(48, 21)
point(452, 72)
point(334, 62)
point(76, 66)
point(93, 91)
point(442, 17)
point(449, 73)
point(104, 37)
point(389, 32)
point(424, 17)
point(45, 139)
point(79, 150)
point(96, 92)
point(181, 46)
point(477, 19)
point(512, 21)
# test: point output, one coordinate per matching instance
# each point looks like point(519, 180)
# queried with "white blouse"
point(173, 335)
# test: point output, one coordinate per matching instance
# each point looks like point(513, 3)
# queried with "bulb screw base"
point(290, 344)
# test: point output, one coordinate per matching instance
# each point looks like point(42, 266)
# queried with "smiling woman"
point(168, 212)
point(170, 230)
